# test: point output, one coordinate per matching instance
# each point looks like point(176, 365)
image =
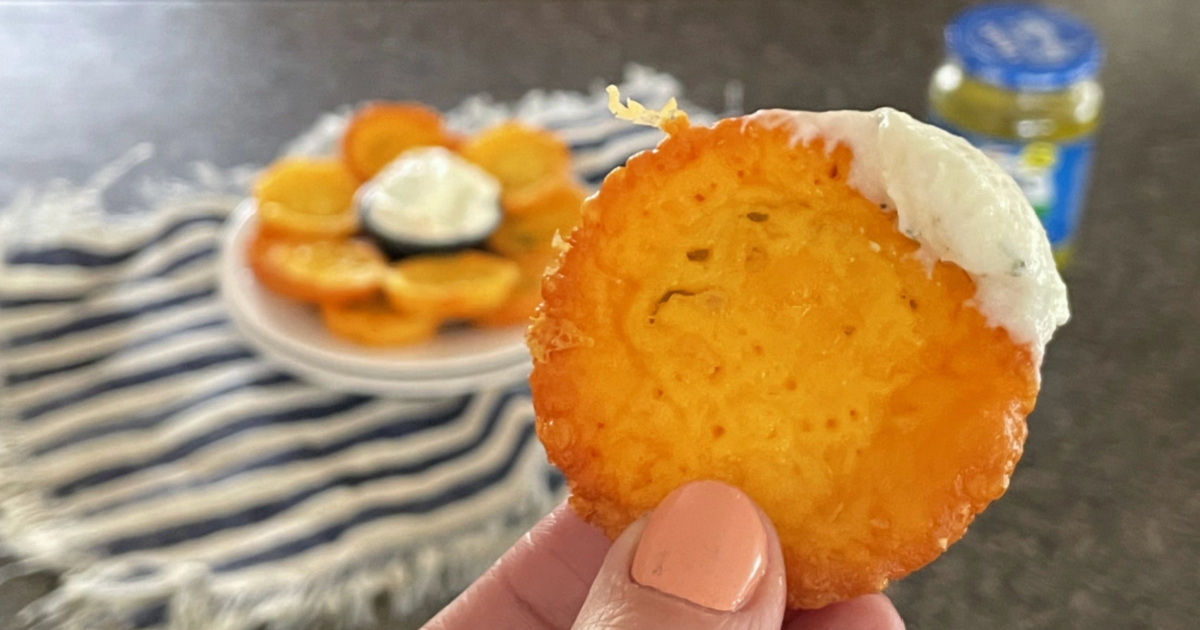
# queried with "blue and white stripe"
point(179, 480)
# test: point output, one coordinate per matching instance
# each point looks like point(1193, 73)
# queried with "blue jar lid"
point(1023, 46)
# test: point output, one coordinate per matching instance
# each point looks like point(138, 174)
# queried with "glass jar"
point(1019, 82)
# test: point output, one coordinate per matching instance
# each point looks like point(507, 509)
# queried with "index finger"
point(539, 584)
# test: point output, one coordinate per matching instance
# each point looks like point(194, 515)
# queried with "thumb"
point(706, 559)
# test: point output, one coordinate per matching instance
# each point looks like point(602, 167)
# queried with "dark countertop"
point(1100, 527)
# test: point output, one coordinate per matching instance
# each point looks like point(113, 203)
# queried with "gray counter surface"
point(1100, 527)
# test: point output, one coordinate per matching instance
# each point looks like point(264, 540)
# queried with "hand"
point(706, 559)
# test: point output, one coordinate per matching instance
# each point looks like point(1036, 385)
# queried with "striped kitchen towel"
point(173, 478)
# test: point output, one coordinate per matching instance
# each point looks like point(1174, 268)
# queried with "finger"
point(869, 612)
point(540, 584)
point(706, 559)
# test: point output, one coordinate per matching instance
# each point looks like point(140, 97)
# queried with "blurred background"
point(1101, 526)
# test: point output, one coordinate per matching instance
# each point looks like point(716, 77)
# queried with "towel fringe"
point(95, 593)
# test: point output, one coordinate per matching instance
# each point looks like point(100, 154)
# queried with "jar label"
point(1053, 176)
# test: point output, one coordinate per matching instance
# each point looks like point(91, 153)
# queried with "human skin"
point(565, 574)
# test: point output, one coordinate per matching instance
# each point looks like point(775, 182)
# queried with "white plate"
point(387, 387)
point(297, 329)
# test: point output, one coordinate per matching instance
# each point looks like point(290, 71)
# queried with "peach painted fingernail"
point(704, 543)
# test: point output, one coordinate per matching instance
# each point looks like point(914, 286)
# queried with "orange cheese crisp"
point(326, 271)
point(731, 308)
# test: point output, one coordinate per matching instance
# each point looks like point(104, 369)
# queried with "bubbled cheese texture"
point(957, 203)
